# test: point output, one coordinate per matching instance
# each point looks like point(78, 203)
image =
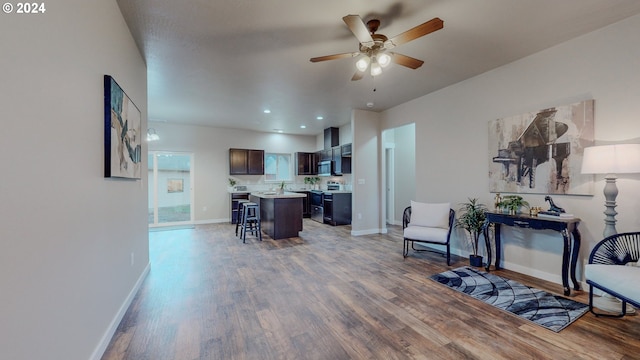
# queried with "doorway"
point(390, 186)
point(170, 188)
point(399, 171)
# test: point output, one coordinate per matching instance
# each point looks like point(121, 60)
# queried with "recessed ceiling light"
point(320, 118)
point(369, 104)
point(267, 111)
point(303, 126)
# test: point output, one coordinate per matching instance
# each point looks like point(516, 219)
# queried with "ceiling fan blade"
point(335, 56)
point(430, 26)
point(358, 75)
point(359, 29)
point(407, 61)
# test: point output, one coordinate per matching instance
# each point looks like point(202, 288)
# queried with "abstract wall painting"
point(541, 152)
point(175, 185)
point(122, 133)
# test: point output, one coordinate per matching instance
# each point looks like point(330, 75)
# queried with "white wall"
point(404, 139)
point(67, 233)
point(210, 148)
point(368, 195)
point(452, 130)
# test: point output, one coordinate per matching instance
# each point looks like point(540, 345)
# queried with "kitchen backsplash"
point(297, 184)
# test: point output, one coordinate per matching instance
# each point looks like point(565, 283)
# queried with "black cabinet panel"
point(331, 137)
point(306, 203)
point(337, 208)
point(234, 205)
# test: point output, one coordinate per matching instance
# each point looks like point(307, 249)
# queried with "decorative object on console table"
point(554, 212)
point(122, 133)
point(611, 160)
point(513, 203)
point(471, 218)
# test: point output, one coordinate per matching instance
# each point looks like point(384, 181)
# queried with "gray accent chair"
point(608, 271)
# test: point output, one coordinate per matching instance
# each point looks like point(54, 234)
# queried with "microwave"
point(325, 168)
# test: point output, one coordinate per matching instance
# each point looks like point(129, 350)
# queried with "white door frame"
point(155, 154)
point(390, 182)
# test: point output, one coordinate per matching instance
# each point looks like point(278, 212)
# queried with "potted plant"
point(232, 184)
point(471, 217)
point(512, 204)
point(312, 181)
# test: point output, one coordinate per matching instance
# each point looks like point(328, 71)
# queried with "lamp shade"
point(611, 159)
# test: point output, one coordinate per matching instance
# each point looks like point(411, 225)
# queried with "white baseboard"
point(368, 232)
point(113, 326)
point(533, 272)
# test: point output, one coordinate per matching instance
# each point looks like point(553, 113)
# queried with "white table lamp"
point(611, 160)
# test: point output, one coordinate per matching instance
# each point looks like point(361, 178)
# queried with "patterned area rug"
point(545, 309)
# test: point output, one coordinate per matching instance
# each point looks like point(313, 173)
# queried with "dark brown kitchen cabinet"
point(306, 163)
point(336, 157)
point(346, 159)
point(246, 162)
point(331, 137)
point(324, 155)
point(346, 150)
point(306, 203)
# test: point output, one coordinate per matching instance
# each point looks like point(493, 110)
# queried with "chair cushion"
point(431, 215)
point(625, 280)
point(431, 234)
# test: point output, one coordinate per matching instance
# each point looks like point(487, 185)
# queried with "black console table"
point(566, 227)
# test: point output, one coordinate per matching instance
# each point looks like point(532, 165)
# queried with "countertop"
point(262, 191)
point(272, 195)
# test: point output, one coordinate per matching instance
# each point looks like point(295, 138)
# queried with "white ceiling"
point(221, 62)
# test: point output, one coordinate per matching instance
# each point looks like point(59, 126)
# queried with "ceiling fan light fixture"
point(383, 59)
point(363, 63)
point(376, 69)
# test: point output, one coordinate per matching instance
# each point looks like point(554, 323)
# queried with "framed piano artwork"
point(541, 152)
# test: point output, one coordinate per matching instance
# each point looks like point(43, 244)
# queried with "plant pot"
point(475, 260)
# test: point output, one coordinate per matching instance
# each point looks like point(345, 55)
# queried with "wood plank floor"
point(329, 295)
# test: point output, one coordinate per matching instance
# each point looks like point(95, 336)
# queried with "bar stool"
point(250, 221)
point(239, 213)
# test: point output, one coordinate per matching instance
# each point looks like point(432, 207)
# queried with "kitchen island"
point(280, 214)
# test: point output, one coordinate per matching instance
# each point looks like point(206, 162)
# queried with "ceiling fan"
point(374, 48)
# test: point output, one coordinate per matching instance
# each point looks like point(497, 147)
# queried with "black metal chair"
point(608, 272)
point(425, 234)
